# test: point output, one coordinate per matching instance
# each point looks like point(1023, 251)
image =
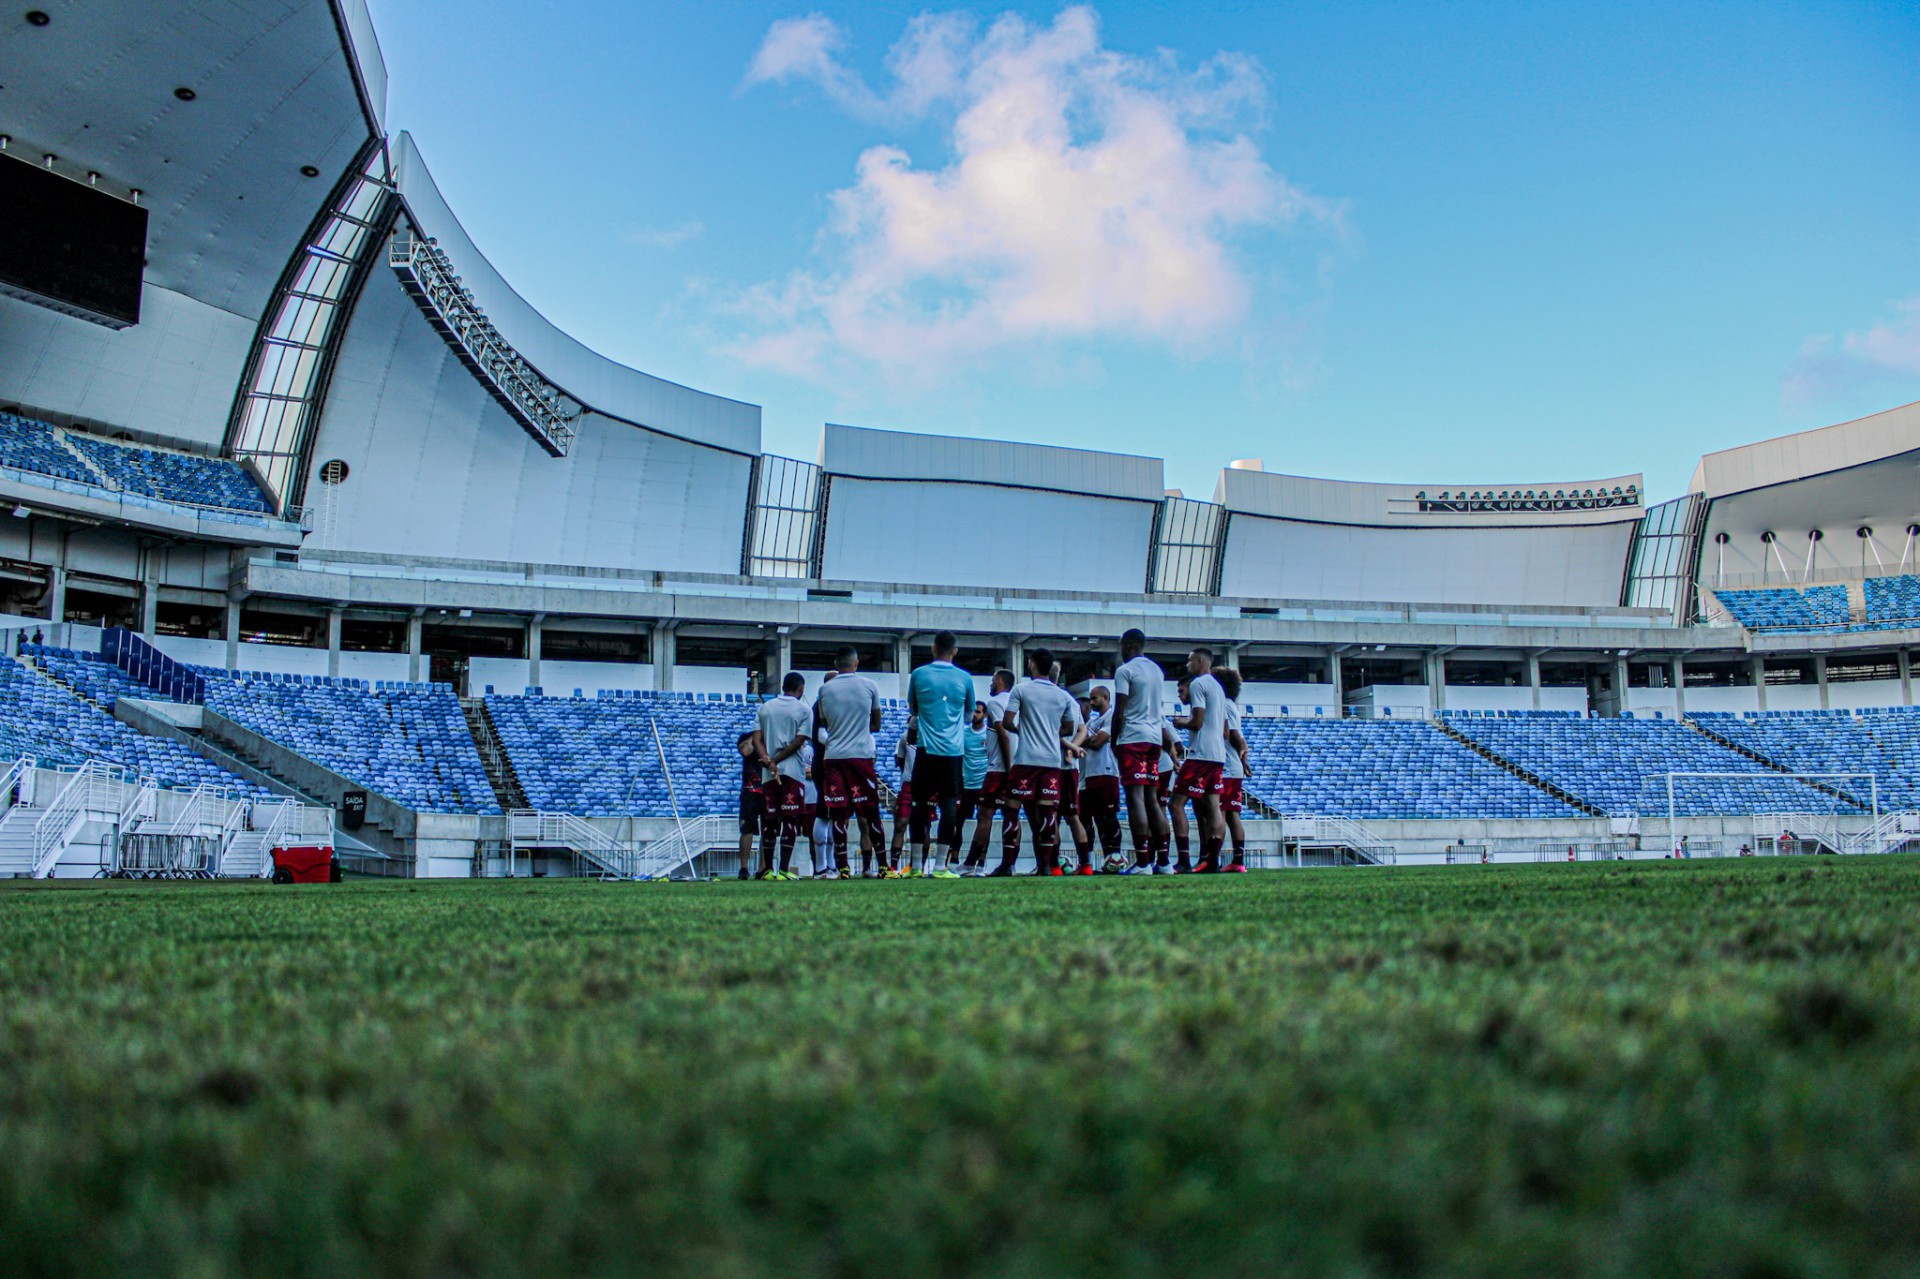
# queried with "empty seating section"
point(1620, 765)
point(1893, 601)
point(1382, 769)
point(175, 477)
point(160, 475)
point(28, 445)
point(88, 674)
point(408, 742)
point(1817, 608)
point(1883, 743)
point(596, 757)
point(40, 718)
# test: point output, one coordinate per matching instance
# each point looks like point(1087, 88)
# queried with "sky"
point(1450, 243)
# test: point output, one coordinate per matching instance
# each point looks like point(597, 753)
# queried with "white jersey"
point(847, 704)
point(1166, 756)
point(996, 711)
point(1042, 707)
point(904, 756)
point(1234, 767)
point(1141, 681)
point(780, 721)
point(1101, 762)
point(1209, 741)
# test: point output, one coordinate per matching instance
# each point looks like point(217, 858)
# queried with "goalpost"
point(1841, 794)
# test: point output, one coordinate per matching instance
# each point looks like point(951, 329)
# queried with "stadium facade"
point(452, 489)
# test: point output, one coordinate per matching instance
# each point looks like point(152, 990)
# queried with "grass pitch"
point(1699, 1068)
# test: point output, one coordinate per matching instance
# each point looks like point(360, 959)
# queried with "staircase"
point(1340, 835)
point(493, 755)
point(1526, 775)
point(1892, 833)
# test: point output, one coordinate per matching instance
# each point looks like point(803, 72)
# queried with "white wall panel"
point(438, 469)
point(906, 455)
point(980, 535)
point(1284, 559)
point(173, 374)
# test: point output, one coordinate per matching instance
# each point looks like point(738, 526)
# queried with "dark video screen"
point(69, 245)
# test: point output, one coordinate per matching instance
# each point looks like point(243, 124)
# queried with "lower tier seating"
point(1382, 769)
point(1620, 765)
point(408, 742)
point(596, 757)
point(39, 717)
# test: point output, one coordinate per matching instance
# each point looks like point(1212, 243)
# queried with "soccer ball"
point(1117, 862)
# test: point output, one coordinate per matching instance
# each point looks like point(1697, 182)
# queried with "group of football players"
point(1030, 750)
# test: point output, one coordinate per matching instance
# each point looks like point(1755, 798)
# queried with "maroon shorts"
point(903, 804)
point(1069, 790)
point(993, 788)
point(1139, 763)
point(849, 784)
point(1199, 778)
point(1163, 785)
point(786, 796)
point(1232, 794)
point(1098, 793)
point(1030, 783)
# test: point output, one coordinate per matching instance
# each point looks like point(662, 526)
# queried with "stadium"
point(323, 467)
point(325, 554)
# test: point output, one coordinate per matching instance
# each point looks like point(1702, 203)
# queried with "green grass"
point(1703, 1068)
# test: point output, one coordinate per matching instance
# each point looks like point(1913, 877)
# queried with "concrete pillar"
point(1333, 678)
point(149, 607)
point(533, 648)
point(1620, 706)
point(233, 635)
point(1437, 680)
point(1231, 659)
point(903, 658)
point(334, 616)
point(1758, 665)
point(1820, 674)
point(1680, 686)
point(1533, 677)
point(1017, 658)
point(57, 607)
point(1905, 659)
point(662, 650)
point(416, 664)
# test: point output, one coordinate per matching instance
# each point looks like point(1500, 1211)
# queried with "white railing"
point(1315, 831)
point(1890, 833)
point(527, 828)
point(1810, 831)
point(141, 805)
point(20, 770)
point(93, 793)
point(695, 837)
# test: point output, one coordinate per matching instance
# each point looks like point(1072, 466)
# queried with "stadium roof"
point(211, 109)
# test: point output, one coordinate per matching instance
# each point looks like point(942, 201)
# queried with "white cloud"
point(1888, 351)
point(671, 237)
point(1089, 193)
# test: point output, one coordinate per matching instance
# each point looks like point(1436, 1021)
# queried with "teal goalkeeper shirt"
point(973, 765)
point(943, 703)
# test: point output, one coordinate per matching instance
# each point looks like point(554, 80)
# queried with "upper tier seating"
point(1620, 765)
point(408, 742)
point(40, 718)
point(1893, 601)
point(595, 757)
point(1817, 608)
point(1382, 769)
point(175, 477)
point(29, 445)
point(1885, 744)
point(149, 474)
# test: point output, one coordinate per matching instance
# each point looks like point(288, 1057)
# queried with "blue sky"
point(1440, 243)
